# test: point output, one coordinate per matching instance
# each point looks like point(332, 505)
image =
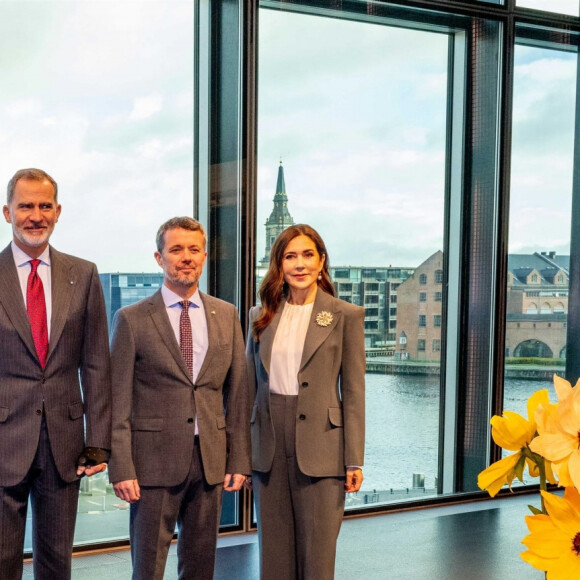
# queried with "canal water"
point(402, 426)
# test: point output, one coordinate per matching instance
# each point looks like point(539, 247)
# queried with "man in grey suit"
point(181, 410)
point(53, 427)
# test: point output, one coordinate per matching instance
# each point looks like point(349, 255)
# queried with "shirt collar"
point(21, 257)
point(171, 299)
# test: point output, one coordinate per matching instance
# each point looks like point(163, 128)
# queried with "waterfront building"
point(374, 288)
point(537, 305)
point(419, 312)
point(536, 308)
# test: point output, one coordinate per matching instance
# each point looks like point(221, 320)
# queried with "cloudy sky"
point(100, 94)
point(560, 6)
point(357, 114)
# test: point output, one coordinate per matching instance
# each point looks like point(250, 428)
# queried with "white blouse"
point(287, 348)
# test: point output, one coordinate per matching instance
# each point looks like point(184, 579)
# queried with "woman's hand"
point(354, 479)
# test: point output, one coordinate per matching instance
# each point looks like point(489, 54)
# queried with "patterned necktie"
point(36, 309)
point(185, 336)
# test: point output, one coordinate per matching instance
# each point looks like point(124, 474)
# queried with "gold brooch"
point(323, 318)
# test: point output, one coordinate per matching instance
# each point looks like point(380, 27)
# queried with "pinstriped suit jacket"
point(78, 343)
point(330, 422)
point(155, 400)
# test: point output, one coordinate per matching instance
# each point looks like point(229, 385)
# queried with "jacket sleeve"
point(95, 368)
point(352, 385)
point(250, 363)
point(238, 406)
point(121, 465)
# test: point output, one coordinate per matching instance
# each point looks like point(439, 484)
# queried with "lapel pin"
point(213, 311)
point(72, 282)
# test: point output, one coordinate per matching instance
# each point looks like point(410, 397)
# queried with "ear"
point(58, 210)
point(158, 258)
point(6, 212)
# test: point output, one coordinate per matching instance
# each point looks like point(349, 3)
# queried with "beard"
point(184, 280)
point(33, 240)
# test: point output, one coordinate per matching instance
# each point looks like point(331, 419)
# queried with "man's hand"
point(354, 479)
point(91, 469)
point(92, 460)
point(233, 482)
point(128, 490)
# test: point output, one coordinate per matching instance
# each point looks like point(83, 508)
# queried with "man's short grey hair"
point(33, 175)
point(185, 223)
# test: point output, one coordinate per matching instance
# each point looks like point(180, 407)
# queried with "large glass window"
point(352, 140)
point(539, 223)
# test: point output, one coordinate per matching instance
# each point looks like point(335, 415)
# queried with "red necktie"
point(185, 337)
point(36, 309)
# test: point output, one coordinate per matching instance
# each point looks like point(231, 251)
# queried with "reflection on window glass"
point(539, 242)
point(100, 95)
point(351, 140)
point(558, 6)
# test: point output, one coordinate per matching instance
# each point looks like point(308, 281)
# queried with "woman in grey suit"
point(306, 361)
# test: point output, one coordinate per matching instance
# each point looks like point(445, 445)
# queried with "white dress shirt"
point(287, 348)
point(23, 267)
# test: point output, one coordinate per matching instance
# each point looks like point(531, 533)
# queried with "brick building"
point(419, 311)
point(536, 308)
point(537, 305)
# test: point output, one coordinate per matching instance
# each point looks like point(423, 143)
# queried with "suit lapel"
point(63, 282)
point(267, 337)
point(212, 332)
point(158, 313)
point(316, 333)
point(12, 300)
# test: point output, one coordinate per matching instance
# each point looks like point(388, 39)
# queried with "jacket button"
point(195, 387)
point(39, 412)
point(190, 420)
point(302, 417)
point(304, 384)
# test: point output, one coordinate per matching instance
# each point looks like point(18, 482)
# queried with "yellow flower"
point(512, 432)
point(554, 540)
point(559, 433)
point(498, 474)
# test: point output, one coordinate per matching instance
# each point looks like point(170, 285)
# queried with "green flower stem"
point(541, 463)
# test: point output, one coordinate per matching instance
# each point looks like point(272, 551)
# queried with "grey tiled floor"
point(478, 541)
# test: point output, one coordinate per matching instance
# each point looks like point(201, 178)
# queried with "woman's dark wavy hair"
point(273, 287)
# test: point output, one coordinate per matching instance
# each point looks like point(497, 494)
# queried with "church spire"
point(280, 217)
point(280, 184)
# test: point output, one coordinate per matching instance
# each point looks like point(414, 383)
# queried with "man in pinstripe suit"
point(53, 426)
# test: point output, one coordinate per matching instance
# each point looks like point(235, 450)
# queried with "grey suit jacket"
point(78, 342)
point(155, 400)
point(330, 421)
